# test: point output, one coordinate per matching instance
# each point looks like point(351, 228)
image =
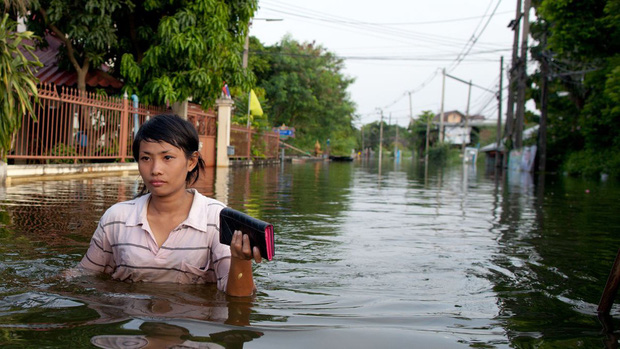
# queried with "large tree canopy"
point(87, 29)
point(165, 50)
point(179, 49)
point(583, 52)
point(306, 89)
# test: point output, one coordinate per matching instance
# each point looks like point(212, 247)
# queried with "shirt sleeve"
point(220, 255)
point(99, 256)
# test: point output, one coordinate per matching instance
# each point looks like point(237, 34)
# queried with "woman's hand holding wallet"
point(258, 233)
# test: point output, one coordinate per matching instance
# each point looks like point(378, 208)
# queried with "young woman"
point(170, 233)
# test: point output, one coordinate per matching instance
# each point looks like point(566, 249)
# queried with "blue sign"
point(285, 131)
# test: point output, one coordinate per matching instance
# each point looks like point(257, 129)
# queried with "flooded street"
point(401, 257)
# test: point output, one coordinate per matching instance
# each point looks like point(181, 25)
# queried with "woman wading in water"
point(170, 233)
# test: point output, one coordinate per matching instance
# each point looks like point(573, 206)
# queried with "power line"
point(372, 28)
point(474, 39)
point(372, 58)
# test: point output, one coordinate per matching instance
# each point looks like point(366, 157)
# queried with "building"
point(455, 129)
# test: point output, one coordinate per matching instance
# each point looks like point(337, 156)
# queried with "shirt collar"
point(197, 215)
point(138, 214)
point(195, 219)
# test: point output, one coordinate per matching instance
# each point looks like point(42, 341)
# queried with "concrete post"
point(180, 108)
point(224, 113)
point(3, 173)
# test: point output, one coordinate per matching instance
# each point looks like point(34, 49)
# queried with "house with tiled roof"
point(52, 73)
point(455, 128)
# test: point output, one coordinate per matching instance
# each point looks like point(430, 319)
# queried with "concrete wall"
point(16, 173)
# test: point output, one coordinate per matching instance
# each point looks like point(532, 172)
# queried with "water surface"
point(403, 257)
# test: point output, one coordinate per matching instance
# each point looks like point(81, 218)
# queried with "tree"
point(421, 130)
point(166, 51)
point(584, 59)
point(15, 7)
point(306, 89)
point(173, 50)
point(87, 29)
point(18, 82)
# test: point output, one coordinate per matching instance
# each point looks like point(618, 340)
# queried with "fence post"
point(124, 127)
point(249, 149)
point(224, 111)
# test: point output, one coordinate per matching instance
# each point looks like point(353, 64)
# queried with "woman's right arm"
point(99, 256)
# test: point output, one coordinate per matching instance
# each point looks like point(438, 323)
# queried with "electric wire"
point(397, 34)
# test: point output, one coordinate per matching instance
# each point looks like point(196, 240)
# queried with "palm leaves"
point(17, 81)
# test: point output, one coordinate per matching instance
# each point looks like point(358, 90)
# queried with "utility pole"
point(411, 123)
point(380, 140)
point(512, 74)
point(410, 110)
point(443, 91)
point(363, 149)
point(520, 112)
point(498, 137)
point(396, 144)
point(428, 131)
point(466, 120)
point(244, 65)
point(542, 127)
point(244, 59)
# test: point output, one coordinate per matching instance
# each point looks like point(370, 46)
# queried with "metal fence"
point(250, 144)
point(206, 125)
point(72, 125)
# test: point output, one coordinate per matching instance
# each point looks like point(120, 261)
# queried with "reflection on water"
point(365, 257)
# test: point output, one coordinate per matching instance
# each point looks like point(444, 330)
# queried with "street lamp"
point(246, 47)
point(246, 50)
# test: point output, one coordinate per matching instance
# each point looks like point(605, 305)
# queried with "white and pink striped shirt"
point(124, 246)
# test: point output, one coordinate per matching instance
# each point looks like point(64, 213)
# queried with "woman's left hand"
point(240, 248)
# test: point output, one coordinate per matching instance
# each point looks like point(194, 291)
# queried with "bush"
point(62, 149)
point(589, 163)
point(440, 153)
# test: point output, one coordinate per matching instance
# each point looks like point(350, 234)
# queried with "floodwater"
point(406, 256)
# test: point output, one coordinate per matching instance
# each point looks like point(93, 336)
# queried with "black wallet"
point(260, 233)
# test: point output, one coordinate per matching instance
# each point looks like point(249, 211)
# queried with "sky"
point(396, 49)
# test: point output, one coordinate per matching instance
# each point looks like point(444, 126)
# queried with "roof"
point(473, 119)
point(50, 72)
point(446, 114)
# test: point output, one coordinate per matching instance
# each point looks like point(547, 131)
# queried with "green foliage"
point(417, 131)
point(393, 135)
point(88, 27)
point(440, 153)
point(306, 89)
point(169, 52)
point(17, 81)
point(14, 8)
point(240, 114)
point(61, 149)
point(589, 163)
point(166, 51)
point(583, 52)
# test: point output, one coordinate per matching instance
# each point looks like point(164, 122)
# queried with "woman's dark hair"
point(173, 129)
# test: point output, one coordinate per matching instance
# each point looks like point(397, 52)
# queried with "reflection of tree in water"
point(548, 268)
point(305, 204)
point(60, 214)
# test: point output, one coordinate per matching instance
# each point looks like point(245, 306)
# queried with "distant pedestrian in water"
point(170, 233)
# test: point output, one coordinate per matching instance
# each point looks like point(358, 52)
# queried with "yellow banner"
point(255, 108)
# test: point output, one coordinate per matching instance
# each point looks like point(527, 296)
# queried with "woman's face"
point(164, 167)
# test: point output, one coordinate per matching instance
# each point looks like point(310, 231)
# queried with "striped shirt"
point(124, 246)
